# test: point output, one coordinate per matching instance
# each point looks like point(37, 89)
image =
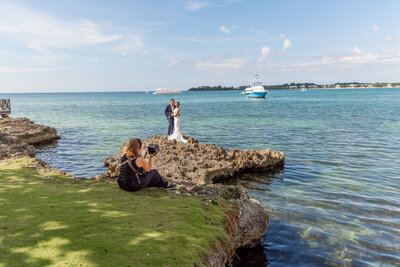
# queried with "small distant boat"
point(147, 91)
point(304, 90)
point(166, 91)
point(256, 89)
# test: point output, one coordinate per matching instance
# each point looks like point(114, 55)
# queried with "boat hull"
point(257, 94)
point(167, 93)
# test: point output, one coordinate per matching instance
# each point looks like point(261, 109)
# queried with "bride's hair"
point(133, 147)
point(177, 104)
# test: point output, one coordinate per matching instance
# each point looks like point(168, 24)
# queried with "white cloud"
point(226, 29)
point(265, 51)
point(173, 62)
point(357, 50)
point(375, 27)
point(388, 38)
point(42, 32)
point(145, 52)
point(349, 61)
point(286, 44)
point(124, 53)
point(355, 59)
point(283, 36)
point(223, 66)
point(358, 59)
point(194, 5)
point(96, 59)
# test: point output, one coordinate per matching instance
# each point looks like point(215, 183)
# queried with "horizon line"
point(187, 90)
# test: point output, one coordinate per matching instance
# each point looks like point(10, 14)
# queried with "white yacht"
point(247, 91)
point(256, 89)
point(166, 91)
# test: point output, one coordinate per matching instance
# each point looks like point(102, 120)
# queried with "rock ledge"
point(197, 169)
point(18, 135)
point(203, 164)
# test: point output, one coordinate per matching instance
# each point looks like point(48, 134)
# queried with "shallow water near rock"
point(336, 202)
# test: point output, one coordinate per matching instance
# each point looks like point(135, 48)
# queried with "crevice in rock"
point(243, 175)
point(250, 257)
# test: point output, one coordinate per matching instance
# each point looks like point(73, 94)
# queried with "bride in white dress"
point(177, 135)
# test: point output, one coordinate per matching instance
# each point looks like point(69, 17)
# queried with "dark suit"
point(168, 112)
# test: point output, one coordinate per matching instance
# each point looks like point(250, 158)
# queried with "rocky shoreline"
point(197, 169)
point(203, 163)
point(19, 135)
point(201, 169)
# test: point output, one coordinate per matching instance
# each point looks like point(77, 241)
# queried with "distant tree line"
point(213, 88)
point(298, 86)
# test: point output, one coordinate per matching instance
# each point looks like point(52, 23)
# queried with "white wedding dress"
point(177, 135)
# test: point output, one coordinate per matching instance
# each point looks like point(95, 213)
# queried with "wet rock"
point(250, 257)
point(202, 164)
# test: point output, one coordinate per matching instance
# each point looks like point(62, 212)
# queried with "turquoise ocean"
point(336, 202)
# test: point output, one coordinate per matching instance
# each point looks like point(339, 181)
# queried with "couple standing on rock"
point(173, 114)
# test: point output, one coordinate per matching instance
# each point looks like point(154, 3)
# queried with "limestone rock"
point(24, 131)
point(17, 137)
point(203, 164)
point(247, 221)
point(16, 151)
point(100, 177)
point(197, 168)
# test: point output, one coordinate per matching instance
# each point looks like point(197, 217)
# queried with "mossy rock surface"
point(51, 219)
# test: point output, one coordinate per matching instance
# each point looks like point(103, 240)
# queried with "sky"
point(126, 45)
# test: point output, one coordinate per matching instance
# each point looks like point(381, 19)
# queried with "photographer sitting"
point(135, 172)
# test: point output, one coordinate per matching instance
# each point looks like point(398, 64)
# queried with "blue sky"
point(68, 45)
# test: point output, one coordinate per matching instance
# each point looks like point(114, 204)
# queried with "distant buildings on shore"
point(334, 85)
point(303, 86)
point(360, 85)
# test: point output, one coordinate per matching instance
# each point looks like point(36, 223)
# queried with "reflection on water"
point(336, 202)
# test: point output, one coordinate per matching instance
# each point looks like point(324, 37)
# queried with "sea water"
point(336, 202)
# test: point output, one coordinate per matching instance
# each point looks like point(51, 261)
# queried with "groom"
point(169, 110)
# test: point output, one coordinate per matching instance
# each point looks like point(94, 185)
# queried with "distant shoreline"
point(318, 88)
point(8, 94)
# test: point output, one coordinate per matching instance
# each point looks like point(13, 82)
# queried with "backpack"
point(129, 162)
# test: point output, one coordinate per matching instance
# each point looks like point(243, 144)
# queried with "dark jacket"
point(168, 111)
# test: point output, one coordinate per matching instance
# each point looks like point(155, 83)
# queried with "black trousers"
point(147, 179)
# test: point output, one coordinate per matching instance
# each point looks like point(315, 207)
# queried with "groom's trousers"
point(171, 125)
